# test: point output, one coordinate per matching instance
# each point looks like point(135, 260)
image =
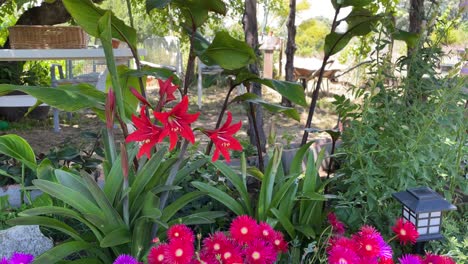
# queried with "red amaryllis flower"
point(436, 259)
point(166, 90)
point(182, 232)
point(215, 243)
point(410, 259)
point(244, 229)
point(385, 260)
point(338, 227)
point(279, 243)
point(178, 252)
point(406, 231)
point(266, 231)
point(156, 254)
point(260, 252)
point(223, 139)
point(139, 97)
point(146, 132)
point(177, 122)
point(342, 255)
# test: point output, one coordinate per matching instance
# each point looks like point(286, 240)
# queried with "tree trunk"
point(249, 22)
point(416, 17)
point(290, 48)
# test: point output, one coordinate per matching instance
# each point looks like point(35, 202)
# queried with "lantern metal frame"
point(423, 207)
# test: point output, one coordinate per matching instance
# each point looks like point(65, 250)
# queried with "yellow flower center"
point(244, 230)
point(265, 232)
point(179, 252)
point(342, 261)
point(227, 255)
point(176, 234)
point(216, 246)
point(161, 257)
point(368, 247)
point(403, 232)
point(277, 242)
point(256, 255)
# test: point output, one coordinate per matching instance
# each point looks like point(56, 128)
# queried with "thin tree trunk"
point(290, 48)
point(251, 37)
point(416, 17)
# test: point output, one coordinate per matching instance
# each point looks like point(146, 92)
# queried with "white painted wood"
point(62, 54)
point(18, 101)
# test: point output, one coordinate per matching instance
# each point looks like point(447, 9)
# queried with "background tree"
point(249, 21)
point(290, 48)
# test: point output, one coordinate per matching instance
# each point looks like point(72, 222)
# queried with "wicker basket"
point(47, 37)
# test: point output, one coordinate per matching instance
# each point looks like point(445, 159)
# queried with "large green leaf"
point(361, 21)
point(355, 3)
point(87, 15)
point(69, 98)
point(48, 222)
point(334, 42)
point(18, 148)
point(117, 237)
point(296, 163)
point(201, 218)
point(228, 52)
point(268, 183)
point(293, 91)
point(160, 73)
point(285, 222)
point(411, 39)
point(152, 4)
point(61, 251)
point(221, 197)
point(45, 170)
point(178, 204)
point(274, 108)
point(196, 11)
point(237, 182)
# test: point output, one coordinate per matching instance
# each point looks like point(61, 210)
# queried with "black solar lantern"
point(423, 207)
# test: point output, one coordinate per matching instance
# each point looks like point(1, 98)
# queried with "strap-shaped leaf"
point(178, 204)
point(274, 108)
point(117, 237)
point(16, 147)
point(268, 183)
point(201, 218)
point(285, 222)
point(48, 222)
point(61, 251)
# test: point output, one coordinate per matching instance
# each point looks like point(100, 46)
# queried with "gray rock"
point(24, 239)
point(14, 194)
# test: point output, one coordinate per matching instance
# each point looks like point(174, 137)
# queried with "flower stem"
point(170, 181)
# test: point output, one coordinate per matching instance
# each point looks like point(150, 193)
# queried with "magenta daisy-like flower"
point(244, 229)
point(369, 246)
point(437, 259)
point(125, 259)
point(182, 232)
point(385, 260)
point(406, 231)
point(179, 252)
point(265, 231)
point(343, 242)
point(342, 255)
point(207, 258)
point(410, 259)
point(260, 252)
point(279, 243)
point(215, 243)
point(156, 254)
point(231, 255)
point(3, 261)
point(21, 258)
point(338, 227)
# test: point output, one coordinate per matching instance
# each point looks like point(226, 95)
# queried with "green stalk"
point(22, 184)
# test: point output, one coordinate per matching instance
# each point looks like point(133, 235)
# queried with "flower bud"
point(110, 109)
point(124, 160)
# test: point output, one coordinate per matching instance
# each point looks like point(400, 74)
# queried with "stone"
point(24, 239)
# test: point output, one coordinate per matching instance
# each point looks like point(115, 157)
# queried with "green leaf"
point(355, 3)
point(221, 197)
point(159, 73)
point(411, 39)
point(201, 218)
point(48, 222)
point(150, 207)
point(285, 222)
point(61, 251)
point(292, 91)
point(70, 98)
point(274, 108)
point(307, 231)
point(361, 21)
point(283, 191)
point(178, 204)
point(334, 42)
point(266, 190)
point(237, 182)
point(296, 163)
point(152, 4)
point(228, 52)
point(116, 237)
point(86, 14)
point(17, 179)
point(18, 148)
point(45, 170)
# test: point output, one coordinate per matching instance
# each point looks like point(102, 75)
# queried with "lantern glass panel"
point(405, 214)
point(435, 214)
point(435, 221)
point(413, 219)
point(422, 231)
point(434, 229)
point(423, 222)
point(423, 215)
